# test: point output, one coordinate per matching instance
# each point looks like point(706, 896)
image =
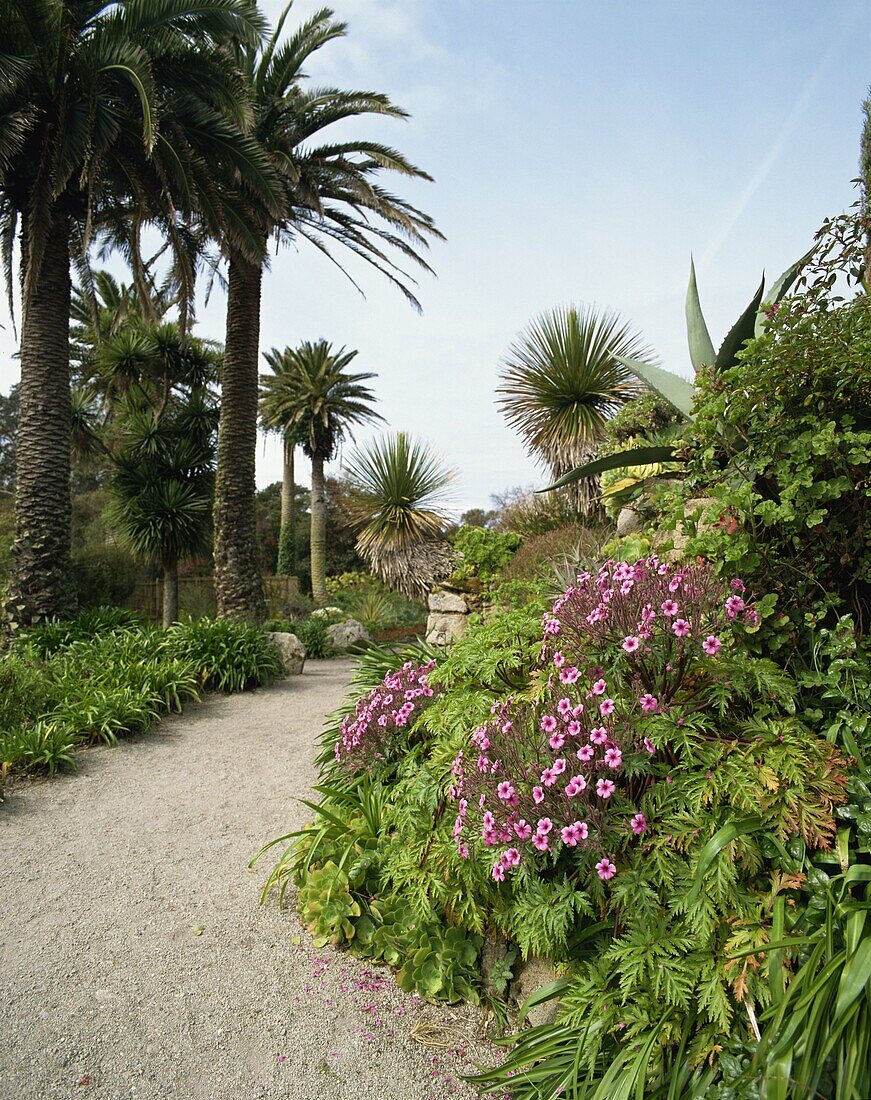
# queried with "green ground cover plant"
point(105, 674)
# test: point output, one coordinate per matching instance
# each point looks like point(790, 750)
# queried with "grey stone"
point(444, 601)
point(528, 977)
point(291, 649)
point(628, 522)
point(345, 636)
point(693, 508)
point(445, 627)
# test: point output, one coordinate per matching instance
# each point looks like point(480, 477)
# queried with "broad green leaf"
point(698, 337)
point(638, 456)
point(671, 387)
point(738, 335)
point(855, 977)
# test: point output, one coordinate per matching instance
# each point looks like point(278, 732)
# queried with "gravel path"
point(136, 961)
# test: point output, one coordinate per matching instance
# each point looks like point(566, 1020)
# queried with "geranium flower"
point(498, 871)
point(548, 778)
point(557, 740)
point(599, 688)
point(639, 824)
point(649, 702)
point(605, 788)
point(548, 723)
point(613, 758)
point(649, 745)
point(559, 766)
point(573, 728)
point(605, 869)
point(463, 851)
point(564, 707)
point(510, 857)
point(585, 753)
point(544, 825)
point(631, 643)
point(680, 627)
point(558, 659)
point(522, 829)
point(711, 645)
point(575, 785)
point(505, 791)
point(669, 607)
point(606, 707)
point(599, 735)
point(571, 834)
point(569, 675)
point(541, 841)
point(537, 795)
point(734, 604)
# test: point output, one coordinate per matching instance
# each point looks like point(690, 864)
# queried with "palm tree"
point(312, 399)
point(561, 380)
point(399, 487)
point(286, 562)
point(104, 113)
point(331, 195)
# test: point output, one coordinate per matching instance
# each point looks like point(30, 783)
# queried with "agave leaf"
point(742, 331)
point(638, 456)
point(671, 387)
point(779, 291)
point(698, 337)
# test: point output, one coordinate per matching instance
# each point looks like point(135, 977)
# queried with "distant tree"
point(8, 432)
point(479, 517)
point(561, 381)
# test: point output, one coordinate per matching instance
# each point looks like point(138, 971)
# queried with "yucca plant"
point(399, 488)
point(562, 379)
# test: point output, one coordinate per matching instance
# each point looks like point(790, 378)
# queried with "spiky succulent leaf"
point(677, 391)
point(699, 339)
point(638, 456)
point(738, 335)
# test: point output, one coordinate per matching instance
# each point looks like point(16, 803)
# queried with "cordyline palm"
point(105, 112)
point(313, 400)
point(561, 382)
point(399, 487)
point(331, 195)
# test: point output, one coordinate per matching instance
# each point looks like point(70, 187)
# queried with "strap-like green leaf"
point(538, 996)
point(638, 456)
point(698, 337)
point(671, 387)
point(738, 335)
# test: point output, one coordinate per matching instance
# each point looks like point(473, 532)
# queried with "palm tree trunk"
point(286, 557)
point(40, 584)
point(319, 532)
point(238, 586)
point(170, 592)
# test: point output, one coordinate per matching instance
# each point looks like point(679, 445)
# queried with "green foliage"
point(312, 632)
point(483, 555)
point(40, 747)
point(229, 656)
point(496, 653)
point(327, 906)
point(443, 966)
point(94, 622)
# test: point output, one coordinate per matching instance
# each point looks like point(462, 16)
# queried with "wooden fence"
point(196, 596)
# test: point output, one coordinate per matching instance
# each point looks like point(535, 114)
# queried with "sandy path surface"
point(136, 961)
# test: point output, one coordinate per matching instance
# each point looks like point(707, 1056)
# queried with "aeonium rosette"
point(626, 651)
point(378, 717)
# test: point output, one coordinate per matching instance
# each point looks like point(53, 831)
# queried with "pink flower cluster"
point(564, 776)
point(397, 700)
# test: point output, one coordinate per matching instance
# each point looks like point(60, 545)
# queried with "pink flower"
point(510, 857)
point(669, 607)
point(606, 707)
point(605, 869)
point(751, 615)
point(559, 766)
point(605, 788)
point(544, 825)
point(613, 758)
point(639, 824)
point(680, 627)
point(557, 740)
point(498, 871)
point(548, 723)
point(541, 841)
point(505, 791)
point(569, 675)
point(631, 643)
point(507, 727)
point(548, 778)
point(734, 604)
point(564, 707)
point(575, 785)
point(599, 688)
point(738, 585)
point(523, 829)
point(649, 745)
point(558, 659)
point(463, 851)
point(599, 735)
point(585, 753)
point(571, 834)
point(711, 645)
point(537, 795)
point(649, 702)
point(573, 728)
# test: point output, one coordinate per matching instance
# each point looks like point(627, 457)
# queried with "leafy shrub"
point(107, 575)
point(49, 637)
point(483, 554)
point(43, 746)
point(229, 656)
point(313, 635)
point(534, 558)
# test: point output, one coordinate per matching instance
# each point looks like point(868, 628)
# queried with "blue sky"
point(581, 152)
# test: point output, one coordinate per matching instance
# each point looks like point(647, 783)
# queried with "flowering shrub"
point(629, 654)
point(379, 716)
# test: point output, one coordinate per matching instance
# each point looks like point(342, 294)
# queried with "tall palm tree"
point(105, 109)
point(399, 486)
point(561, 380)
point(332, 195)
point(313, 399)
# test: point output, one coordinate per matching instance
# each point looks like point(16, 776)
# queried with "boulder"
point(698, 509)
point(449, 602)
point(291, 649)
point(528, 977)
point(444, 628)
point(628, 522)
point(347, 635)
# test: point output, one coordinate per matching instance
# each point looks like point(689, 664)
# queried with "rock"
point(450, 602)
point(628, 522)
point(444, 628)
point(528, 977)
point(291, 649)
point(345, 636)
point(694, 509)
